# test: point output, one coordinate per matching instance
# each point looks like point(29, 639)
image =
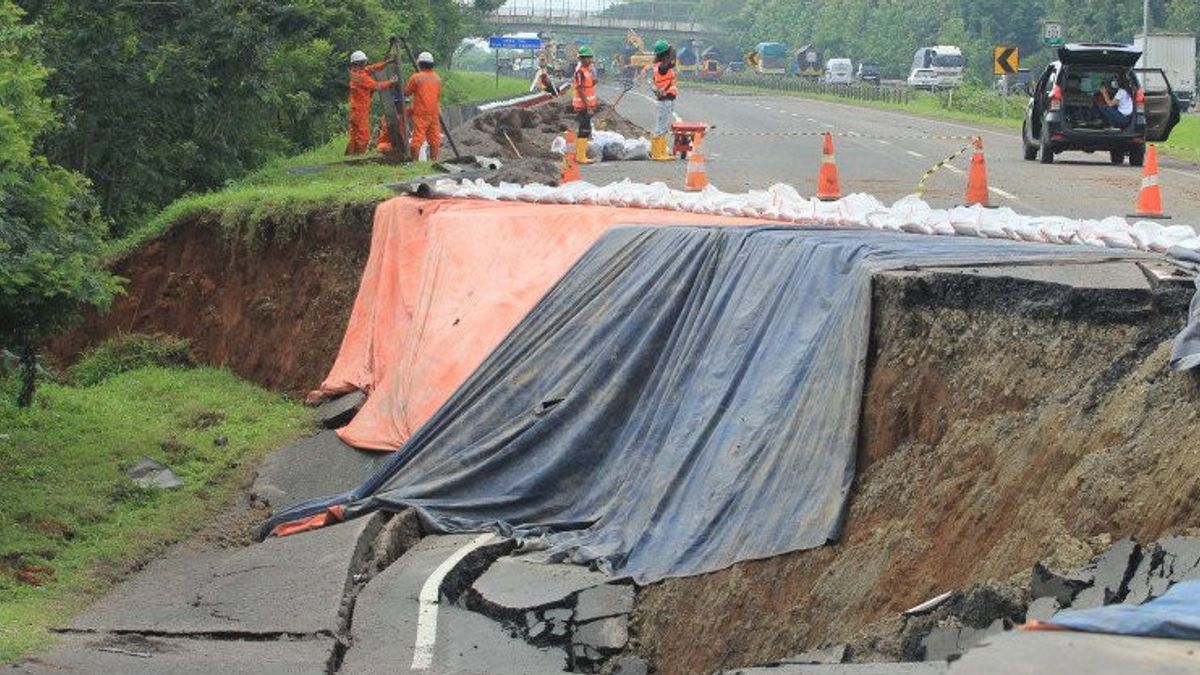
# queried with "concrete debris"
point(148, 473)
point(627, 665)
point(945, 643)
point(1091, 597)
point(831, 654)
point(338, 412)
point(1061, 587)
point(1113, 567)
point(1042, 609)
point(604, 634)
point(603, 601)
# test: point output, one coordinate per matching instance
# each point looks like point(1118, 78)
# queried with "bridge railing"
point(663, 16)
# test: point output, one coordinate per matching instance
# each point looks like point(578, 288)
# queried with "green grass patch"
point(72, 523)
point(464, 86)
point(1185, 139)
point(284, 193)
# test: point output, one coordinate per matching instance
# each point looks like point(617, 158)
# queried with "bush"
point(129, 352)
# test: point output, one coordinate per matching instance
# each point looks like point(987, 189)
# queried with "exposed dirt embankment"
point(274, 313)
point(1004, 422)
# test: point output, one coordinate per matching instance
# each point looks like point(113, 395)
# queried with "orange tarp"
point(445, 281)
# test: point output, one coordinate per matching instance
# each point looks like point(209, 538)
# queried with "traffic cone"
point(977, 184)
point(828, 187)
point(1149, 203)
point(570, 167)
point(697, 171)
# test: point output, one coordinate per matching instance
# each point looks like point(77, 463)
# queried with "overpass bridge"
point(657, 19)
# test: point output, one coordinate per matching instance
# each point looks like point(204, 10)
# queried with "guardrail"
point(859, 91)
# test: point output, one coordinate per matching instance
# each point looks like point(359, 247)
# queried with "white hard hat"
point(358, 57)
point(425, 57)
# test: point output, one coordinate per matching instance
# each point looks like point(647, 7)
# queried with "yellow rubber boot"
point(658, 149)
point(581, 151)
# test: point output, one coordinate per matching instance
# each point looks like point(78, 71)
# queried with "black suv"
point(1064, 106)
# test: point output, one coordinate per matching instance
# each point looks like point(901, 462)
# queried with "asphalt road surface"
point(757, 142)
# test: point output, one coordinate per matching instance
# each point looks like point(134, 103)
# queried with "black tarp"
point(683, 399)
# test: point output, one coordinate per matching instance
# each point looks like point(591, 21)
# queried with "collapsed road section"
point(958, 409)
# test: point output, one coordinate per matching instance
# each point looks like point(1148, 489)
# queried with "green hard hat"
point(661, 46)
point(585, 51)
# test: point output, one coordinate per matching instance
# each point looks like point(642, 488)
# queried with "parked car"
point(923, 78)
point(839, 71)
point(737, 66)
point(1064, 113)
point(869, 72)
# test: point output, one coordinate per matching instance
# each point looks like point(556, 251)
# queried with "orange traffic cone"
point(828, 186)
point(570, 168)
point(1149, 203)
point(977, 184)
point(697, 171)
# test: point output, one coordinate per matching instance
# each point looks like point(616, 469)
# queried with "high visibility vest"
point(584, 97)
point(665, 84)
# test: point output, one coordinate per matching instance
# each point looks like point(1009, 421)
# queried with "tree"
point(50, 233)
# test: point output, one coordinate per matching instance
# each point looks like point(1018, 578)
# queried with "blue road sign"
point(509, 42)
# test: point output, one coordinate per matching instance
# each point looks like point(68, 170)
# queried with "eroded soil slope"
point(1004, 422)
point(273, 313)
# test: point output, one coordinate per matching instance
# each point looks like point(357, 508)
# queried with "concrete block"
point(1092, 597)
point(1062, 587)
point(316, 466)
point(148, 473)
point(611, 633)
point(1149, 568)
point(1182, 555)
point(601, 601)
point(338, 412)
point(558, 614)
point(1112, 568)
point(514, 584)
point(1042, 609)
point(628, 665)
point(537, 629)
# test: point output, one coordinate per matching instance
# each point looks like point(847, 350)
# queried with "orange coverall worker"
point(362, 87)
point(425, 87)
point(584, 98)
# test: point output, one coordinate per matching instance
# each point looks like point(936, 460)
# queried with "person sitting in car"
point(1117, 104)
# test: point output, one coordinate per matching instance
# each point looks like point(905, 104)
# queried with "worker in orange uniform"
point(362, 87)
point(665, 91)
point(425, 87)
point(584, 102)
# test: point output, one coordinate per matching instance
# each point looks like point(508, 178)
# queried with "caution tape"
point(840, 134)
point(934, 169)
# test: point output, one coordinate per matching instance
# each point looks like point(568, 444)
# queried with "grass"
point(69, 517)
point(1185, 139)
point(463, 86)
point(287, 191)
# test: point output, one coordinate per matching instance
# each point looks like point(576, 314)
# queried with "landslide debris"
point(530, 132)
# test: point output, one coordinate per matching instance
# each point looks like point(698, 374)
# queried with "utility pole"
point(1145, 33)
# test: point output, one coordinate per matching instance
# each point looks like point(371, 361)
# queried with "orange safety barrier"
point(445, 281)
point(1149, 203)
point(697, 170)
point(829, 188)
point(977, 182)
point(570, 167)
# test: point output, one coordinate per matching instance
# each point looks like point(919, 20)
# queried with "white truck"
point(1175, 55)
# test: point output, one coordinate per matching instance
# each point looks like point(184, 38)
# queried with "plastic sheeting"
point(1174, 615)
point(683, 399)
point(444, 282)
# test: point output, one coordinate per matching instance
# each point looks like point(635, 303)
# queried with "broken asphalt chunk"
point(338, 412)
point(148, 473)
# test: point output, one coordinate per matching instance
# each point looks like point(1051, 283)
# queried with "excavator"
point(634, 57)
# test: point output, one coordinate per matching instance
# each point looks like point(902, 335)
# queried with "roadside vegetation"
point(71, 522)
point(464, 86)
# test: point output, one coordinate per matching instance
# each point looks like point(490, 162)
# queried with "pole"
point(1145, 33)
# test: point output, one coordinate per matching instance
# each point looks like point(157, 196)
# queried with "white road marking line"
point(954, 169)
point(811, 119)
point(795, 114)
point(1002, 193)
point(430, 596)
point(882, 142)
point(676, 116)
point(914, 153)
point(828, 126)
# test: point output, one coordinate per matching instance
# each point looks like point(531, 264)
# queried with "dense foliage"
point(887, 32)
point(164, 98)
point(50, 232)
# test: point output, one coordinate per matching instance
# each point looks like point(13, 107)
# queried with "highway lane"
point(758, 142)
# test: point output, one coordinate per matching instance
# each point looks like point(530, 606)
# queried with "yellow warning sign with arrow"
point(1006, 59)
